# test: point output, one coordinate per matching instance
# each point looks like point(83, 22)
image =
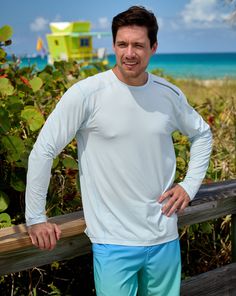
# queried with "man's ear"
point(154, 47)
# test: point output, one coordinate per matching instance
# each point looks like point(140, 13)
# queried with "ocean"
point(181, 65)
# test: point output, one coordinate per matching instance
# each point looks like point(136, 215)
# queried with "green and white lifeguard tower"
point(73, 41)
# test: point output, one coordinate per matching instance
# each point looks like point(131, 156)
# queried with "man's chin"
point(130, 71)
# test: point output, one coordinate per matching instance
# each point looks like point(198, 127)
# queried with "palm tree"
point(232, 16)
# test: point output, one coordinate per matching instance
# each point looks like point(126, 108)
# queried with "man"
point(123, 120)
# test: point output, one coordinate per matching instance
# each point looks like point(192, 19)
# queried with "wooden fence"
point(212, 201)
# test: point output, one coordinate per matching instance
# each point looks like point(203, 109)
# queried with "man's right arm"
point(59, 129)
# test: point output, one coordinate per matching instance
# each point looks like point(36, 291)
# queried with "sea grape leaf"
point(21, 94)
point(14, 104)
point(180, 163)
point(57, 75)
point(206, 227)
point(17, 183)
point(46, 78)
point(5, 87)
point(183, 153)
point(70, 163)
point(4, 201)
point(176, 135)
point(179, 147)
point(33, 117)
point(4, 120)
point(36, 83)
point(210, 167)
point(177, 175)
point(55, 162)
point(2, 54)
point(5, 220)
point(5, 33)
point(14, 146)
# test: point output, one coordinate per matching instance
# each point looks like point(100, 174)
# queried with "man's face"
point(133, 52)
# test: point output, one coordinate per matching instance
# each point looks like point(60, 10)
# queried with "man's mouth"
point(130, 64)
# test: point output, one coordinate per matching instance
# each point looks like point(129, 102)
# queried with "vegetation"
point(27, 96)
point(232, 17)
point(207, 245)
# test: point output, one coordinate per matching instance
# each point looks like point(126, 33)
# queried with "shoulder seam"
point(175, 91)
point(97, 89)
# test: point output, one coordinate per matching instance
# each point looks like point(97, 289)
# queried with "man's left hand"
point(178, 200)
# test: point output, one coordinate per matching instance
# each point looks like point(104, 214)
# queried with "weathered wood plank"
point(17, 252)
point(215, 191)
point(16, 237)
point(212, 201)
point(207, 211)
point(29, 257)
point(218, 282)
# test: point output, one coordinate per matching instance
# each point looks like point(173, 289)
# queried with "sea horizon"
point(199, 65)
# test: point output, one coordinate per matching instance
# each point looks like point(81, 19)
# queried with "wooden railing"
point(212, 201)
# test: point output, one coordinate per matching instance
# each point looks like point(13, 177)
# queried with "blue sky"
point(185, 25)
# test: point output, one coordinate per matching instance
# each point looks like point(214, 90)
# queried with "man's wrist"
point(33, 221)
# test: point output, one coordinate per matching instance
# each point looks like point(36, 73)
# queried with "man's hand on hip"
point(177, 200)
point(44, 235)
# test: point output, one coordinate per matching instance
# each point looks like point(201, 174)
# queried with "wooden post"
point(233, 237)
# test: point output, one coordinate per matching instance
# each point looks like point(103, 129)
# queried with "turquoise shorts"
point(143, 271)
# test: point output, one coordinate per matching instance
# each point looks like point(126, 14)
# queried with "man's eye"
point(122, 45)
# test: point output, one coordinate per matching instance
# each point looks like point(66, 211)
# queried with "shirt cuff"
point(191, 189)
point(32, 221)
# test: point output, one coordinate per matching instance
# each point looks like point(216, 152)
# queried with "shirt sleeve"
point(191, 124)
point(60, 128)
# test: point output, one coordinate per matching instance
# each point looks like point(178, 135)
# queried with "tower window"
point(84, 42)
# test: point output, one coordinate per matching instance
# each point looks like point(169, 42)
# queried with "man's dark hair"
point(139, 16)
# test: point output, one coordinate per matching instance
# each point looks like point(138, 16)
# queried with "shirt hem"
point(122, 242)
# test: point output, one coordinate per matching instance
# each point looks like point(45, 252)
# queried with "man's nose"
point(130, 52)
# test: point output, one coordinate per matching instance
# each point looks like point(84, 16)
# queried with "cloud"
point(57, 18)
point(103, 23)
point(202, 14)
point(199, 11)
point(174, 24)
point(160, 22)
point(39, 24)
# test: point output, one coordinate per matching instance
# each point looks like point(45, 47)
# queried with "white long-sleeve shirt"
point(125, 153)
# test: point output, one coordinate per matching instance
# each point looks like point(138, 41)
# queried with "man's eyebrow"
point(124, 42)
point(139, 43)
